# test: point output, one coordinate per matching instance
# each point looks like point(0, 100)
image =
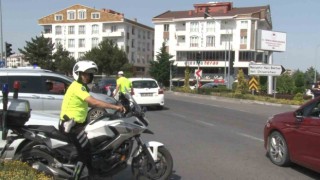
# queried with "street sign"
point(198, 73)
point(265, 70)
point(2, 63)
point(253, 84)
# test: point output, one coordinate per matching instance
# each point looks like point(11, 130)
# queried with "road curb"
point(233, 100)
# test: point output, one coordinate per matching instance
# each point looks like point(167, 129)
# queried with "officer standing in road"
point(123, 84)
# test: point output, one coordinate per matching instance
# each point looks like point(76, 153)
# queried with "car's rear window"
point(144, 84)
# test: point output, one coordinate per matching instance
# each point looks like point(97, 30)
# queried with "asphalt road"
point(217, 138)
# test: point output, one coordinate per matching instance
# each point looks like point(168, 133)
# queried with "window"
point(166, 27)
point(71, 15)
point(148, 35)
point(210, 27)
point(82, 14)
point(132, 43)
point(53, 85)
point(71, 43)
point(58, 30)
point(58, 17)
point(210, 41)
point(82, 43)
point(80, 55)
point(194, 27)
point(144, 84)
point(244, 24)
point(95, 29)
point(95, 15)
point(28, 84)
point(71, 54)
point(194, 41)
point(114, 28)
point(95, 42)
point(132, 57)
point(57, 42)
point(71, 30)
point(133, 30)
point(82, 29)
point(243, 40)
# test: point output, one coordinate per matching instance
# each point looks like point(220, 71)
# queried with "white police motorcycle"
point(115, 140)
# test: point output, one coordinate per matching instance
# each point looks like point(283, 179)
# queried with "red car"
point(295, 136)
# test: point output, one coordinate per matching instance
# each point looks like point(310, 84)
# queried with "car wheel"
point(278, 150)
point(95, 113)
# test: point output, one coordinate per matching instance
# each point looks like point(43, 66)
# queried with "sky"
point(299, 19)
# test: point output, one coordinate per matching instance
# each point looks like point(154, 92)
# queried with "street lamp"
point(315, 65)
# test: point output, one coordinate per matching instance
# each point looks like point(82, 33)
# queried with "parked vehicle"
point(105, 86)
point(294, 136)
point(34, 88)
point(112, 140)
point(210, 85)
point(147, 92)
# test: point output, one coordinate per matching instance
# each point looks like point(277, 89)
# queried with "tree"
point(299, 82)
point(108, 57)
point(39, 52)
point(62, 61)
point(309, 76)
point(160, 69)
point(285, 84)
point(242, 86)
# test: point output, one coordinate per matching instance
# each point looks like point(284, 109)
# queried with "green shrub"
point(16, 170)
point(298, 97)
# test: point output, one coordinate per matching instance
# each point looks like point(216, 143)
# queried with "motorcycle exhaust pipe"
point(50, 170)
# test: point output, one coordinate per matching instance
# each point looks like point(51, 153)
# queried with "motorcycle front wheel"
point(142, 168)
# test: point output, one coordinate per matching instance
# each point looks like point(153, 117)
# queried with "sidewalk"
point(233, 100)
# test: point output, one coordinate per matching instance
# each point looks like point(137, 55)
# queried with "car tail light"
point(132, 92)
point(160, 91)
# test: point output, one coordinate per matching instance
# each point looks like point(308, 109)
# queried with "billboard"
point(271, 40)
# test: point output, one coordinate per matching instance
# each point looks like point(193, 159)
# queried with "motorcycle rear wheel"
point(141, 168)
point(35, 155)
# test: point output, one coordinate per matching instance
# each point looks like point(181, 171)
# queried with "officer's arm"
point(93, 102)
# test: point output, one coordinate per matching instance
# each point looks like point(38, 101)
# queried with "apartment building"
point(79, 28)
point(17, 60)
point(223, 35)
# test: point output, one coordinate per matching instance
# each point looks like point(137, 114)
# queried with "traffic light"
point(8, 49)
point(206, 13)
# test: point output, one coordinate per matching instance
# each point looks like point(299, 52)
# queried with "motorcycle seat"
point(50, 131)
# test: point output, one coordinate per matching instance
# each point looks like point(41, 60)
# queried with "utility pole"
point(2, 35)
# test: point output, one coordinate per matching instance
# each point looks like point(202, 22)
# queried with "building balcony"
point(113, 34)
point(181, 33)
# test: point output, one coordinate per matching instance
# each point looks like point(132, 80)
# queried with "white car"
point(147, 92)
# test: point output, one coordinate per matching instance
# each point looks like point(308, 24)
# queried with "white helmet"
point(84, 66)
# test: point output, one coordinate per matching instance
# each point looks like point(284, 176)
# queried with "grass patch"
point(17, 170)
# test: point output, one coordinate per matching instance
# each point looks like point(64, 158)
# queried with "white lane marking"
point(210, 124)
point(205, 123)
point(178, 115)
point(251, 137)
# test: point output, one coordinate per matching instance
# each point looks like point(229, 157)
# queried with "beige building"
point(79, 28)
point(17, 60)
point(224, 36)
